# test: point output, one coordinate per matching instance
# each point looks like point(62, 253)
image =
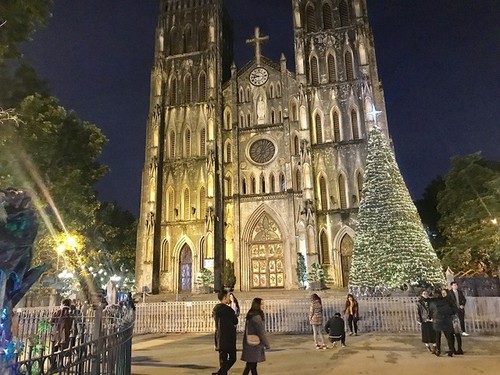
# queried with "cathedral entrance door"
point(185, 269)
point(266, 252)
point(346, 257)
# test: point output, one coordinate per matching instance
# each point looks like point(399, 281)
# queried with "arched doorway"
point(266, 255)
point(185, 269)
point(346, 257)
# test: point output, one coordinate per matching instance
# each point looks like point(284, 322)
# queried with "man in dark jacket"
point(458, 297)
point(442, 310)
point(225, 333)
point(335, 327)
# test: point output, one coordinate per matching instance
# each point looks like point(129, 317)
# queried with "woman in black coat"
point(442, 310)
point(424, 317)
point(254, 325)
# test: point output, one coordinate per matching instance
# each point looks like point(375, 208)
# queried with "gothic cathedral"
point(255, 164)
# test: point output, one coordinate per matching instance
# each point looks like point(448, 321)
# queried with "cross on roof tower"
point(257, 40)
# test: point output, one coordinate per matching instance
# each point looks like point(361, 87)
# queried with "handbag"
point(252, 340)
point(457, 329)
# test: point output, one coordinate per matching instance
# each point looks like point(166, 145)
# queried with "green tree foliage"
point(391, 248)
point(18, 20)
point(469, 207)
point(427, 209)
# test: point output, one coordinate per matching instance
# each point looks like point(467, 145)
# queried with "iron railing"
point(100, 343)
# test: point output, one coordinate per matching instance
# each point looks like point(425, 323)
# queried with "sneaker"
point(334, 344)
point(343, 345)
point(356, 334)
point(318, 346)
point(350, 333)
point(459, 352)
point(324, 347)
point(465, 334)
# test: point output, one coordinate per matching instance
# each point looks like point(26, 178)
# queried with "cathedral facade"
point(255, 164)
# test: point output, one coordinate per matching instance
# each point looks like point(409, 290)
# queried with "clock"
point(262, 151)
point(259, 76)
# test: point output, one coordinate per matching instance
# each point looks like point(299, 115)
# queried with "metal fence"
point(100, 343)
point(381, 314)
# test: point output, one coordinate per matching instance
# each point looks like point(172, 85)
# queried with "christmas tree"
point(391, 248)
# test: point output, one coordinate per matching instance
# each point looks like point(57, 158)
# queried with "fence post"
point(97, 336)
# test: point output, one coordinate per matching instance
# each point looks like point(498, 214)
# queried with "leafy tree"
point(18, 20)
point(391, 248)
point(469, 207)
point(427, 209)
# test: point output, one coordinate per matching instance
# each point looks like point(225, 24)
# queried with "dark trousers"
point(450, 338)
point(458, 339)
point(250, 367)
point(336, 338)
point(226, 360)
point(352, 321)
point(461, 317)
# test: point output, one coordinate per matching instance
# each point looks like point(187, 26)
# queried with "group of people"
point(444, 313)
point(255, 341)
point(335, 326)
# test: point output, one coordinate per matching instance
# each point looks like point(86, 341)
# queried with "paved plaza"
point(367, 354)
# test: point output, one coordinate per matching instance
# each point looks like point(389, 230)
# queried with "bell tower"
point(180, 218)
point(336, 67)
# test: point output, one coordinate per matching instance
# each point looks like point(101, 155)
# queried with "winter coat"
point(254, 325)
point(423, 310)
point(62, 322)
point(442, 310)
point(335, 327)
point(316, 313)
point(225, 327)
point(461, 297)
point(355, 309)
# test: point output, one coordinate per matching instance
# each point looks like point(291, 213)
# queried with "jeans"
point(352, 322)
point(318, 336)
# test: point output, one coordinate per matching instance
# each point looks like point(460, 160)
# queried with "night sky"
point(438, 61)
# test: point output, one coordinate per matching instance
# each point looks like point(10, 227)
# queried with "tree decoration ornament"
point(391, 248)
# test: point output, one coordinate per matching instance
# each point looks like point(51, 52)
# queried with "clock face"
point(262, 151)
point(259, 76)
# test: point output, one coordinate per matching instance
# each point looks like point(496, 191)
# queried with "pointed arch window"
point(248, 94)
point(203, 142)
point(188, 89)
point(294, 112)
point(172, 144)
point(271, 91)
point(298, 180)
point(170, 205)
point(173, 91)
point(203, 37)
point(273, 116)
point(253, 185)
point(241, 95)
point(282, 183)
point(229, 186)
point(349, 68)
point(314, 71)
point(242, 120)
point(342, 192)
point(359, 185)
point(164, 256)
point(332, 71)
point(278, 90)
point(187, 143)
point(272, 183)
point(174, 42)
point(185, 214)
point(354, 124)
point(296, 146)
point(244, 186)
point(336, 126)
point(323, 193)
point(319, 129)
point(248, 119)
point(262, 184)
point(227, 119)
point(327, 16)
point(203, 202)
point(229, 153)
point(310, 19)
point(325, 252)
point(188, 39)
point(344, 13)
point(202, 87)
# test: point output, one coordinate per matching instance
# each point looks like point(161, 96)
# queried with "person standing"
point(352, 312)
point(225, 333)
point(316, 320)
point(458, 297)
point(424, 317)
point(254, 352)
point(62, 322)
point(442, 311)
point(335, 327)
point(457, 332)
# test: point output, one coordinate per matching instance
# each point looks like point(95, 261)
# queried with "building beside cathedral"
point(257, 163)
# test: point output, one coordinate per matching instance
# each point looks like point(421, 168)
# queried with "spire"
point(257, 40)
